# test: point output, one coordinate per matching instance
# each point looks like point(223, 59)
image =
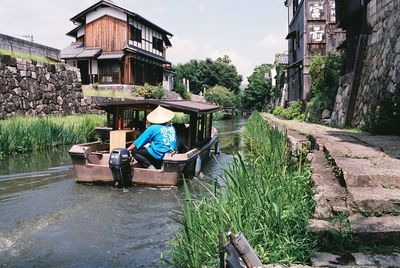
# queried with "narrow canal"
point(49, 220)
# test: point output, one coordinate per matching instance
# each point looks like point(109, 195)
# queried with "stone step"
point(374, 200)
point(330, 196)
point(376, 230)
point(325, 259)
point(371, 172)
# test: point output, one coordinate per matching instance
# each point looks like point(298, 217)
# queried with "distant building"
point(312, 30)
point(116, 46)
point(278, 75)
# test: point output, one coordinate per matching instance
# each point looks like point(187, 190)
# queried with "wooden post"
point(221, 250)
point(193, 130)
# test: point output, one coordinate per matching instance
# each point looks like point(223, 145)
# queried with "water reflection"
point(35, 161)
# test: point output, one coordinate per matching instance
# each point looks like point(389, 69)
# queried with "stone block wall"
point(34, 88)
point(380, 76)
point(380, 79)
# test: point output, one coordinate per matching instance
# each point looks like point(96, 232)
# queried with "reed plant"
point(264, 196)
point(24, 134)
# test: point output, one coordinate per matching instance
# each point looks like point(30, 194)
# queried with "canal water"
point(48, 220)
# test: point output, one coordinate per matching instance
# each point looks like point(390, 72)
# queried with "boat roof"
point(174, 105)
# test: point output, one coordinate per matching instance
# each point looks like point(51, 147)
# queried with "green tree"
point(259, 89)
point(208, 73)
point(221, 96)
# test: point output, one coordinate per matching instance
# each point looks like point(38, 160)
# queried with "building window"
point(158, 44)
point(136, 34)
point(109, 72)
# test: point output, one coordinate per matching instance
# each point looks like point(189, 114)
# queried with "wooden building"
point(116, 46)
point(312, 30)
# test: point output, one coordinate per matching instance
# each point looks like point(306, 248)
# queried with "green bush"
point(294, 111)
point(221, 96)
point(217, 116)
point(180, 89)
point(265, 197)
point(149, 92)
point(325, 72)
point(385, 120)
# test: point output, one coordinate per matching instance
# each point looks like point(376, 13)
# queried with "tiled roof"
point(111, 55)
point(71, 51)
point(77, 50)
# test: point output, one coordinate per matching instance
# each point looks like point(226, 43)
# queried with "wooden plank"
point(106, 32)
point(120, 138)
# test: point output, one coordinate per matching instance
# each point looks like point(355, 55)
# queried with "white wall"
point(168, 81)
point(81, 32)
point(73, 63)
point(147, 37)
point(94, 66)
point(101, 11)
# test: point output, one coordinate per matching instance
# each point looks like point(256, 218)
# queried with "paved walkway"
point(354, 174)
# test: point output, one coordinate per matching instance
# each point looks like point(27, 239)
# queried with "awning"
point(89, 53)
point(174, 105)
point(138, 53)
point(291, 35)
point(297, 64)
point(111, 55)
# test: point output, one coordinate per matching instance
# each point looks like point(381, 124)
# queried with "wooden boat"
point(126, 120)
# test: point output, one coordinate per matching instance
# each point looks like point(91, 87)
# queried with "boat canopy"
point(183, 106)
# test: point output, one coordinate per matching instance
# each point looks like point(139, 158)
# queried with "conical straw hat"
point(160, 115)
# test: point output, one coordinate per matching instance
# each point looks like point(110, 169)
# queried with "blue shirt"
point(162, 139)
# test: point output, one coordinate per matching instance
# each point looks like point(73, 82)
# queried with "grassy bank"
point(24, 134)
point(265, 197)
point(26, 56)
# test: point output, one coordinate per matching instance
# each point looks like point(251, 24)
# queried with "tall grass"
point(265, 197)
point(24, 134)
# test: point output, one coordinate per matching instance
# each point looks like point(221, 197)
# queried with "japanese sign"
point(316, 33)
point(316, 10)
point(332, 13)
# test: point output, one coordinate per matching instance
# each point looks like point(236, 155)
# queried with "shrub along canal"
point(49, 220)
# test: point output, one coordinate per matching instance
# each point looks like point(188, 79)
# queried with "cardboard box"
point(121, 138)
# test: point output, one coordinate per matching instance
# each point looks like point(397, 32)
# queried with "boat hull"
point(91, 166)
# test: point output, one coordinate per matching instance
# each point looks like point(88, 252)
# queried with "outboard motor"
point(120, 167)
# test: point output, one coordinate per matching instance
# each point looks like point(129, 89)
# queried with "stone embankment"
point(356, 177)
point(35, 88)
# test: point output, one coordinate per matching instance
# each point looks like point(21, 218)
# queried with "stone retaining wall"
point(34, 88)
point(380, 77)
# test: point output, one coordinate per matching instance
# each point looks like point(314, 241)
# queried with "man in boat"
point(157, 140)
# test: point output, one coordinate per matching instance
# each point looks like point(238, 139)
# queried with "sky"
point(249, 32)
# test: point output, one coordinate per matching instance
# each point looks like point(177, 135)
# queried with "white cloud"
point(274, 43)
point(202, 8)
point(184, 49)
